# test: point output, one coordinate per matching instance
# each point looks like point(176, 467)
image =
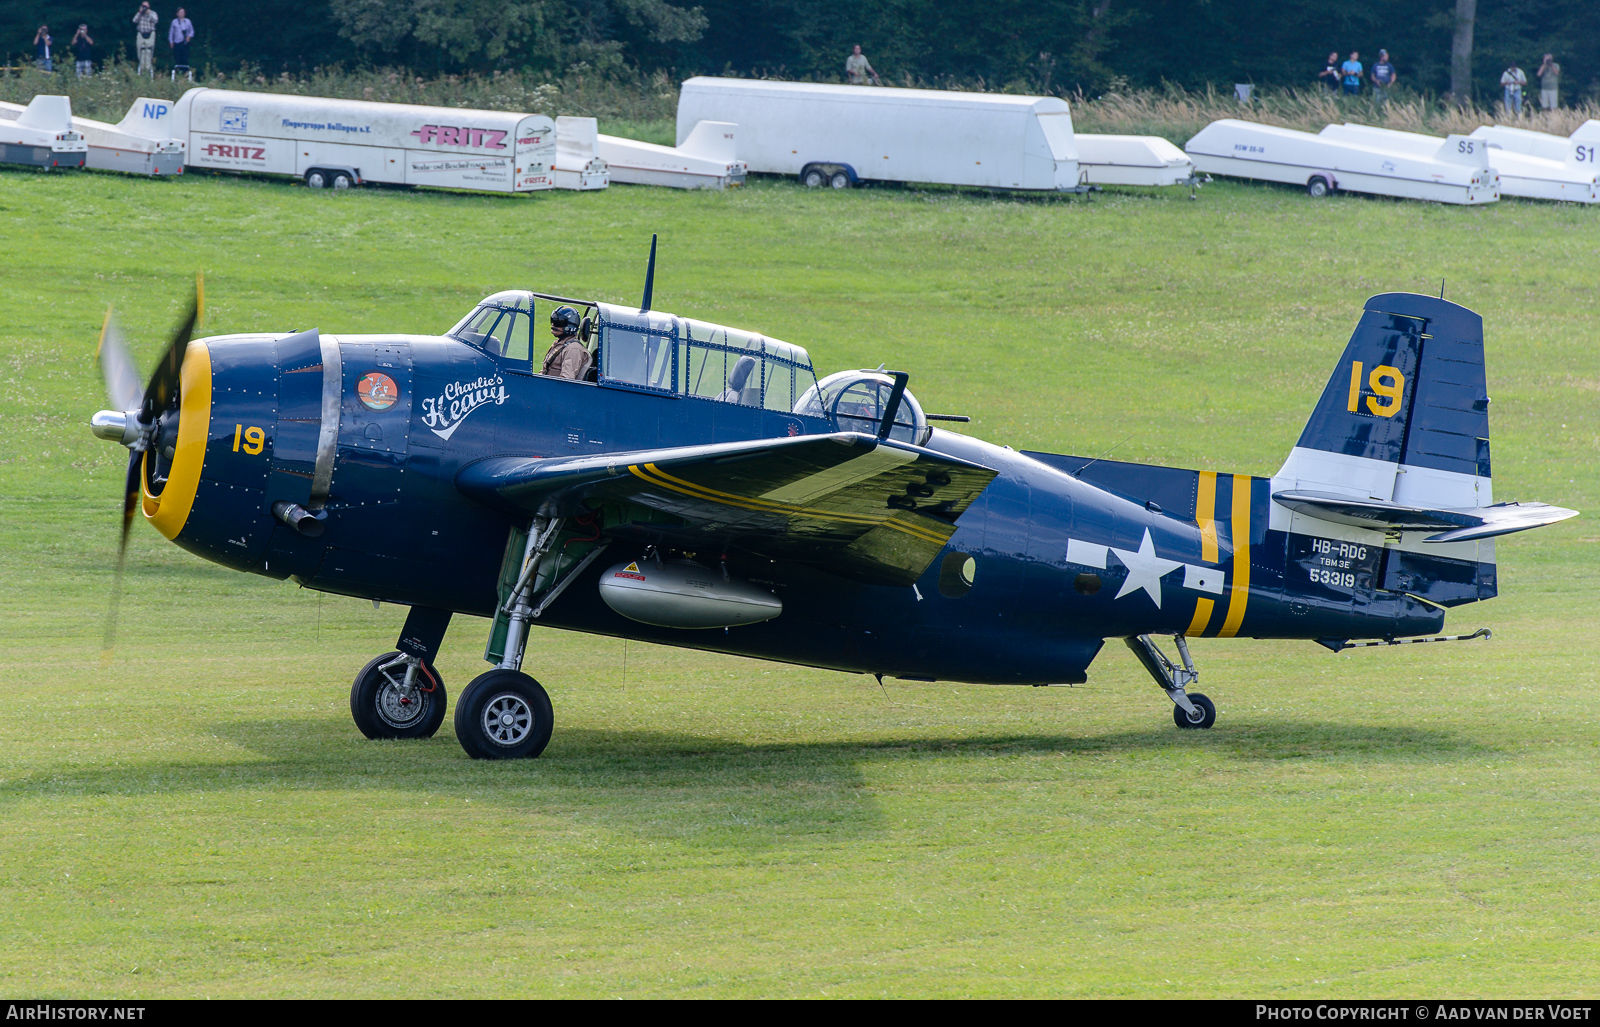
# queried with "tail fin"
point(1399, 443)
point(1405, 416)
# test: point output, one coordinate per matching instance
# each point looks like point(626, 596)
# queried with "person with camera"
point(41, 49)
point(83, 52)
point(179, 34)
point(144, 38)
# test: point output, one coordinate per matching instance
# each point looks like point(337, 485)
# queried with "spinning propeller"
point(146, 421)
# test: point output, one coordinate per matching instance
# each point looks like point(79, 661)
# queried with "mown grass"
point(199, 817)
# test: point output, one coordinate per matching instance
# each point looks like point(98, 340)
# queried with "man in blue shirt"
point(1352, 74)
point(1383, 78)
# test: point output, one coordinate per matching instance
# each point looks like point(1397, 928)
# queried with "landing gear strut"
point(505, 714)
point(400, 694)
point(1189, 709)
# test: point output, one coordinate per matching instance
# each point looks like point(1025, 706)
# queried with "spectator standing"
point(1351, 70)
point(83, 52)
point(1383, 78)
point(1328, 78)
point(179, 33)
point(1549, 83)
point(41, 49)
point(144, 37)
point(858, 69)
point(1513, 79)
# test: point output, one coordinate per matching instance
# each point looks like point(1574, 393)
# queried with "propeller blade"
point(122, 381)
point(130, 503)
point(163, 387)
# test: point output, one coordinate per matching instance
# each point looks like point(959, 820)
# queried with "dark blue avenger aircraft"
point(703, 489)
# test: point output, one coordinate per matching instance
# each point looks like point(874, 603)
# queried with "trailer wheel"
point(316, 179)
point(840, 180)
point(1318, 187)
point(341, 180)
point(813, 178)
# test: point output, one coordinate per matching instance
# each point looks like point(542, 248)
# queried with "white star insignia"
point(1145, 569)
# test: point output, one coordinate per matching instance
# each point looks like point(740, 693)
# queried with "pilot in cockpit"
point(568, 358)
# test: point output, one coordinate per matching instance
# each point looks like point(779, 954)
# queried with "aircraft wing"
point(874, 511)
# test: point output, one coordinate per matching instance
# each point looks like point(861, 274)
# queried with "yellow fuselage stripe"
point(1239, 592)
point(656, 476)
point(169, 511)
point(1205, 515)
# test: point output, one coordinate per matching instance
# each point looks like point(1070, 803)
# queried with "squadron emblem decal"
point(444, 413)
point(377, 391)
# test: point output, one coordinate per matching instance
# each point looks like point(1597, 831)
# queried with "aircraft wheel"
point(316, 178)
point(814, 179)
point(1318, 187)
point(341, 180)
point(1206, 709)
point(380, 711)
point(504, 715)
point(840, 180)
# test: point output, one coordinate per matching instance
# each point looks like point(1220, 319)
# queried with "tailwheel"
point(396, 696)
point(1204, 715)
point(504, 715)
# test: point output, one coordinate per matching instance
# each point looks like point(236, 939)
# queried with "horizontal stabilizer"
point(1467, 524)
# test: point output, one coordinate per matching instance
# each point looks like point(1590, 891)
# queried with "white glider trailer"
point(141, 143)
point(1458, 172)
point(342, 143)
point(578, 162)
point(705, 159)
point(1521, 174)
point(1133, 160)
point(41, 135)
point(1578, 148)
point(845, 135)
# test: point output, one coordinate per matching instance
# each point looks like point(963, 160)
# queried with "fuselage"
point(1059, 562)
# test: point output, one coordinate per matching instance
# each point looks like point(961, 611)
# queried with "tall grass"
point(1178, 114)
point(109, 93)
point(644, 106)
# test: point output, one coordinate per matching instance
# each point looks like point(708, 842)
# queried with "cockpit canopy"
point(855, 401)
point(652, 351)
point(501, 325)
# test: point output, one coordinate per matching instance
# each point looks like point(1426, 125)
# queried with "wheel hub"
point(397, 710)
point(507, 719)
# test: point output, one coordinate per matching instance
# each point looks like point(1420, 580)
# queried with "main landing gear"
point(1189, 709)
point(503, 714)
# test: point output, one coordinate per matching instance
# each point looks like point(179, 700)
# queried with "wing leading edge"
point(874, 511)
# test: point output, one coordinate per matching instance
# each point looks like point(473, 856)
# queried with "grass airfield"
point(201, 818)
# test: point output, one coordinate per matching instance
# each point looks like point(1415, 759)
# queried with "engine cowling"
point(684, 594)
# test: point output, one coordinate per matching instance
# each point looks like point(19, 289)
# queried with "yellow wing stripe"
point(656, 476)
point(1239, 593)
point(1202, 616)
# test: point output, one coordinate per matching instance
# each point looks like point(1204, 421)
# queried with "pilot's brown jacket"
point(567, 359)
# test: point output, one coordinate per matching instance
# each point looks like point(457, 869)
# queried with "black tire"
point(813, 179)
point(1318, 187)
point(316, 178)
point(342, 180)
point(840, 180)
point(380, 711)
point(1208, 713)
point(504, 715)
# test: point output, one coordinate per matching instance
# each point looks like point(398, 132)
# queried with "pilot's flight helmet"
point(565, 321)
